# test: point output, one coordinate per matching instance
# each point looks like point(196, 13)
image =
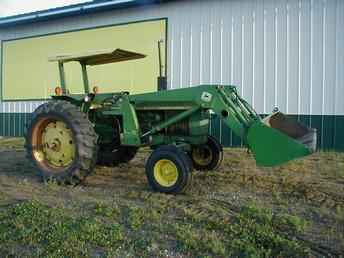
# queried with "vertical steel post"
point(162, 80)
point(62, 78)
point(85, 78)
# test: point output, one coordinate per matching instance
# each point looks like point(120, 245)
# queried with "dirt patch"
point(309, 190)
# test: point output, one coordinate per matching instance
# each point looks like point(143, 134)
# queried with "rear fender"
point(77, 101)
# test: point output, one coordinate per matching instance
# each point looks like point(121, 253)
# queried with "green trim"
point(75, 30)
point(1, 62)
point(330, 128)
point(13, 124)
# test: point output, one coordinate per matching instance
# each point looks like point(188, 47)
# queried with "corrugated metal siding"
point(285, 53)
point(19, 106)
point(279, 53)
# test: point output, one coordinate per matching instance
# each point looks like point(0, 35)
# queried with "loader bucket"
point(278, 139)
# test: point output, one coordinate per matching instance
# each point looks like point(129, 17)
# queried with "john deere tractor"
point(72, 133)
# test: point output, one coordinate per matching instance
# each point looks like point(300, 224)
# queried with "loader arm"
point(236, 113)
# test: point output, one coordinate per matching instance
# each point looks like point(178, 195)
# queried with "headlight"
point(87, 98)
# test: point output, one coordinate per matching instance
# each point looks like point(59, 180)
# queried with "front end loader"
point(69, 135)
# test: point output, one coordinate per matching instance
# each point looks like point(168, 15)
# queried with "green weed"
point(253, 232)
point(136, 217)
point(48, 232)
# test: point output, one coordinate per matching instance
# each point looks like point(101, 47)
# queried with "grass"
point(295, 210)
point(35, 229)
point(252, 232)
point(48, 232)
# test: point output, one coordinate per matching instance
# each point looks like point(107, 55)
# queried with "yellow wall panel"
point(27, 74)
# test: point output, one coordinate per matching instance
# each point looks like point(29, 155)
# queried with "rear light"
point(58, 91)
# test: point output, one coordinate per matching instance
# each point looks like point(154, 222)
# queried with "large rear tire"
point(61, 142)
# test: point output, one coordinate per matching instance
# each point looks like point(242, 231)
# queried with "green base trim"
point(330, 129)
point(13, 124)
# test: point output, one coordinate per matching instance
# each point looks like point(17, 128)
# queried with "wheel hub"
point(165, 172)
point(57, 147)
point(202, 155)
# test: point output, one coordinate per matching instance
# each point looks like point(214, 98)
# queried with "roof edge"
point(70, 10)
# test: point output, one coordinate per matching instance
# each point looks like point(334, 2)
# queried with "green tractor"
point(69, 135)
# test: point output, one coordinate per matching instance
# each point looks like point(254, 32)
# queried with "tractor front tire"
point(208, 156)
point(61, 142)
point(168, 169)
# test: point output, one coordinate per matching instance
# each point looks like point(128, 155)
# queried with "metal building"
point(280, 53)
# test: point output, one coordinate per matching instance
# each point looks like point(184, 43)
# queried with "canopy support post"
point(85, 78)
point(62, 78)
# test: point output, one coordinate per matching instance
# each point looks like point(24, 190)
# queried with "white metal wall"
point(285, 53)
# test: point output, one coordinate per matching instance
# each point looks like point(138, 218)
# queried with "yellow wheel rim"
point(202, 155)
point(165, 172)
point(53, 143)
